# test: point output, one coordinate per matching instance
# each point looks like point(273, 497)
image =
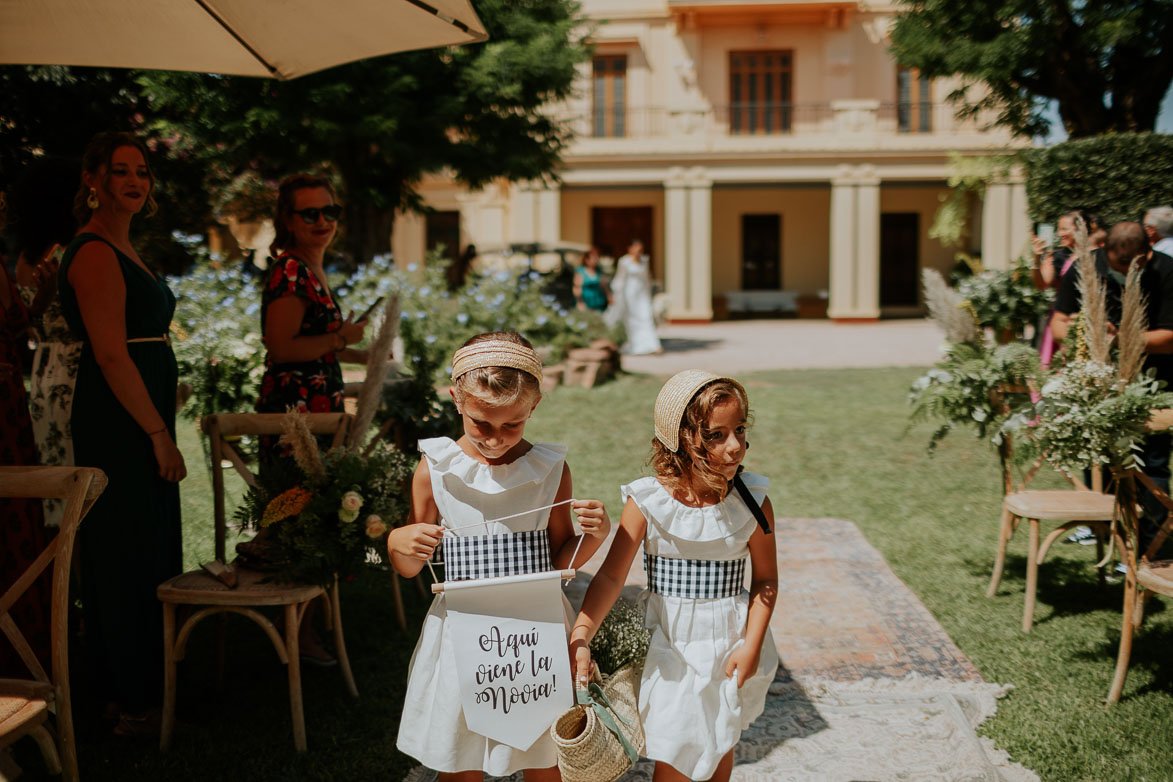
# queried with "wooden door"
point(899, 259)
point(761, 254)
point(614, 227)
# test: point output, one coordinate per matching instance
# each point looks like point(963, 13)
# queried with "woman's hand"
point(592, 517)
point(168, 457)
point(580, 661)
point(744, 661)
point(351, 330)
point(415, 541)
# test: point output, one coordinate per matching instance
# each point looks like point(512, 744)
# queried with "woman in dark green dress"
point(124, 423)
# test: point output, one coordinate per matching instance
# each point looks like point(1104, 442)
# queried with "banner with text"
point(509, 637)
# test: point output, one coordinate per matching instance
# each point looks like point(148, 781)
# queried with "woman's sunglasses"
point(310, 215)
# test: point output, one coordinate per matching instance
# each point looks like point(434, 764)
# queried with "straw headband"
point(673, 400)
point(496, 353)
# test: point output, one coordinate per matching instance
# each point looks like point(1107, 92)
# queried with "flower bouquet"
point(323, 515)
point(622, 639)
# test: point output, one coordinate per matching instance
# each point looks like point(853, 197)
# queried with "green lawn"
point(833, 444)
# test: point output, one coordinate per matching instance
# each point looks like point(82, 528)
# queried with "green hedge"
point(1119, 176)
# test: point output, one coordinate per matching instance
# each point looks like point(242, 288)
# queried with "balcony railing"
point(863, 116)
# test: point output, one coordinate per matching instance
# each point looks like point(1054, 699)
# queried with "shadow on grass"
point(1150, 653)
point(680, 344)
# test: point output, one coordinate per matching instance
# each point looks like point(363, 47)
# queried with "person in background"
point(459, 268)
point(124, 424)
point(22, 527)
point(43, 224)
point(1158, 224)
point(632, 302)
point(590, 292)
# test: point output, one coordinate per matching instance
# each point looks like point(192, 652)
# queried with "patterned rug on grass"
point(870, 688)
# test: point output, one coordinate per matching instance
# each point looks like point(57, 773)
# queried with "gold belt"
point(163, 338)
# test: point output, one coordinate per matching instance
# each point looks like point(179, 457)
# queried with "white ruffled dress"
point(692, 714)
point(432, 727)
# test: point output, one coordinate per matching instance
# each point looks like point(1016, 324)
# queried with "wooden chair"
point(25, 704)
point(1071, 507)
point(199, 589)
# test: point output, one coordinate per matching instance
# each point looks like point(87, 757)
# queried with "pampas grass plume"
point(371, 394)
point(948, 309)
point(1093, 298)
point(305, 446)
point(1133, 324)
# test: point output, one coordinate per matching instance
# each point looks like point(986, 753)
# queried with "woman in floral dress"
point(304, 330)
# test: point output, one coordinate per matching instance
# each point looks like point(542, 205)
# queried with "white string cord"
point(487, 522)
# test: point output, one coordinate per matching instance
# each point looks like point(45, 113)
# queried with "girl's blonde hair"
point(687, 470)
point(497, 386)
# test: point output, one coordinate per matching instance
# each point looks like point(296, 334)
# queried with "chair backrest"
point(79, 487)
point(221, 425)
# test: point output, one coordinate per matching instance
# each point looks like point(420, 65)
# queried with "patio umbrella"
point(279, 38)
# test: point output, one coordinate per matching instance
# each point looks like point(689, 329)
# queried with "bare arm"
point(1159, 342)
point(578, 291)
point(286, 346)
point(101, 298)
point(591, 515)
point(1060, 323)
point(763, 594)
point(412, 545)
point(1042, 273)
point(606, 586)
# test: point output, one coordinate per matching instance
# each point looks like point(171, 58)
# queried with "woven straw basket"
point(587, 750)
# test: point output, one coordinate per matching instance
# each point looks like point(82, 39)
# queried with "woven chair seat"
point(197, 587)
point(1061, 505)
point(1157, 576)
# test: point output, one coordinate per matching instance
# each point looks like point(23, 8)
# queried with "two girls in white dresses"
point(711, 657)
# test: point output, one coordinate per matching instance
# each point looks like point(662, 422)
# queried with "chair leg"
point(48, 748)
point(1126, 629)
point(1004, 533)
point(294, 655)
point(397, 600)
point(169, 663)
point(1100, 574)
point(340, 642)
point(1032, 576)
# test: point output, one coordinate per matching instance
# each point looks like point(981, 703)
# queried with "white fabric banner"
point(509, 638)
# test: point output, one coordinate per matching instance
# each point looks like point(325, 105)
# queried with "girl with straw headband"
point(489, 490)
point(711, 657)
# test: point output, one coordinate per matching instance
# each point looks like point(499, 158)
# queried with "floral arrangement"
point(326, 514)
point(217, 336)
point(622, 638)
point(1005, 301)
point(972, 385)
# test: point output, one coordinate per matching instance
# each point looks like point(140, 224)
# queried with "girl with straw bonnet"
point(468, 494)
point(711, 657)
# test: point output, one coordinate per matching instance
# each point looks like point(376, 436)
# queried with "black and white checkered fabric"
point(494, 556)
point(694, 578)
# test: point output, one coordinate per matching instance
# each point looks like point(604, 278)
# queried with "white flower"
point(375, 526)
point(351, 501)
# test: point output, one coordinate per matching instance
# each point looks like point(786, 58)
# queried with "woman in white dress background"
point(632, 304)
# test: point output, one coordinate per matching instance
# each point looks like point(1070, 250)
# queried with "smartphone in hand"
point(369, 310)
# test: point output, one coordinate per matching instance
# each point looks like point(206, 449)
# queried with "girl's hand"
point(592, 517)
point(580, 662)
point(168, 457)
point(415, 541)
point(744, 661)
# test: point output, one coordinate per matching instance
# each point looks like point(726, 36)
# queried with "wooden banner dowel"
point(566, 575)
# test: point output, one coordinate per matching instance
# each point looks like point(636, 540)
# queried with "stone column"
point(996, 210)
point(688, 251)
point(549, 213)
point(855, 245)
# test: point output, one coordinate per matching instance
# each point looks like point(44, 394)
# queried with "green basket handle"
point(594, 698)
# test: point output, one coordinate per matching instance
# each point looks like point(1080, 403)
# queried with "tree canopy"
point(1107, 63)
point(380, 125)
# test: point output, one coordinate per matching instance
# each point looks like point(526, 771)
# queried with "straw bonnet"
point(496, 353)
point(674, 397)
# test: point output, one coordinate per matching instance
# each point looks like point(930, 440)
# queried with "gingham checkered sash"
point(495, 556)
point(694, 578)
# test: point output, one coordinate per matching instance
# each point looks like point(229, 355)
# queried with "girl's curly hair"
point(687, 471)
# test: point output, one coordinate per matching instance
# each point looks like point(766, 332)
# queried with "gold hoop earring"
point(92, 202)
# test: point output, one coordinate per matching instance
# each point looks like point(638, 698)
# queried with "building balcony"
point(743, 127)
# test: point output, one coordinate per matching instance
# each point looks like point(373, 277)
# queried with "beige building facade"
point(770, 155)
